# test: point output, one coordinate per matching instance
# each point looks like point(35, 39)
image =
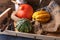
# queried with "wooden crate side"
point(4, 14)
point(45, 37)
point(21, 34)
point(28, 35)
point(12, 33)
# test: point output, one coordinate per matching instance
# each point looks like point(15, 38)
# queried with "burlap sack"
point(54, 24)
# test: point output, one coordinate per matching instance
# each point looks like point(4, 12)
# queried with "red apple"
point(25, 11)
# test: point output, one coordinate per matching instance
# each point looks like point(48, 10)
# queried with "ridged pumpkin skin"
point(42, 16)
point(24, 25)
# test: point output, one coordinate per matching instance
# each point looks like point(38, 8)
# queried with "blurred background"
point(4, 4)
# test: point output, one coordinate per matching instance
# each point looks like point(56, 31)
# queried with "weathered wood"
point(54, 34)
point(8, 32)
point(4, 17)
point(4, 14)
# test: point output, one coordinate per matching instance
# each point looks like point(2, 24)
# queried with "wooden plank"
point(45, 37)
point(8, 32)
point(21, 34)
point(27, 35)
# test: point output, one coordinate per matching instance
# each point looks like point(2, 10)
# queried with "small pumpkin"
point(42, 16)
point(24, 25)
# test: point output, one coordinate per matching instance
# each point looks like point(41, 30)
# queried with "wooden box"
point(6, 14)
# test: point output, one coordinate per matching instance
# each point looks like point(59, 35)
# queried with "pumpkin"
point(24, 25)
point(42, 16)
